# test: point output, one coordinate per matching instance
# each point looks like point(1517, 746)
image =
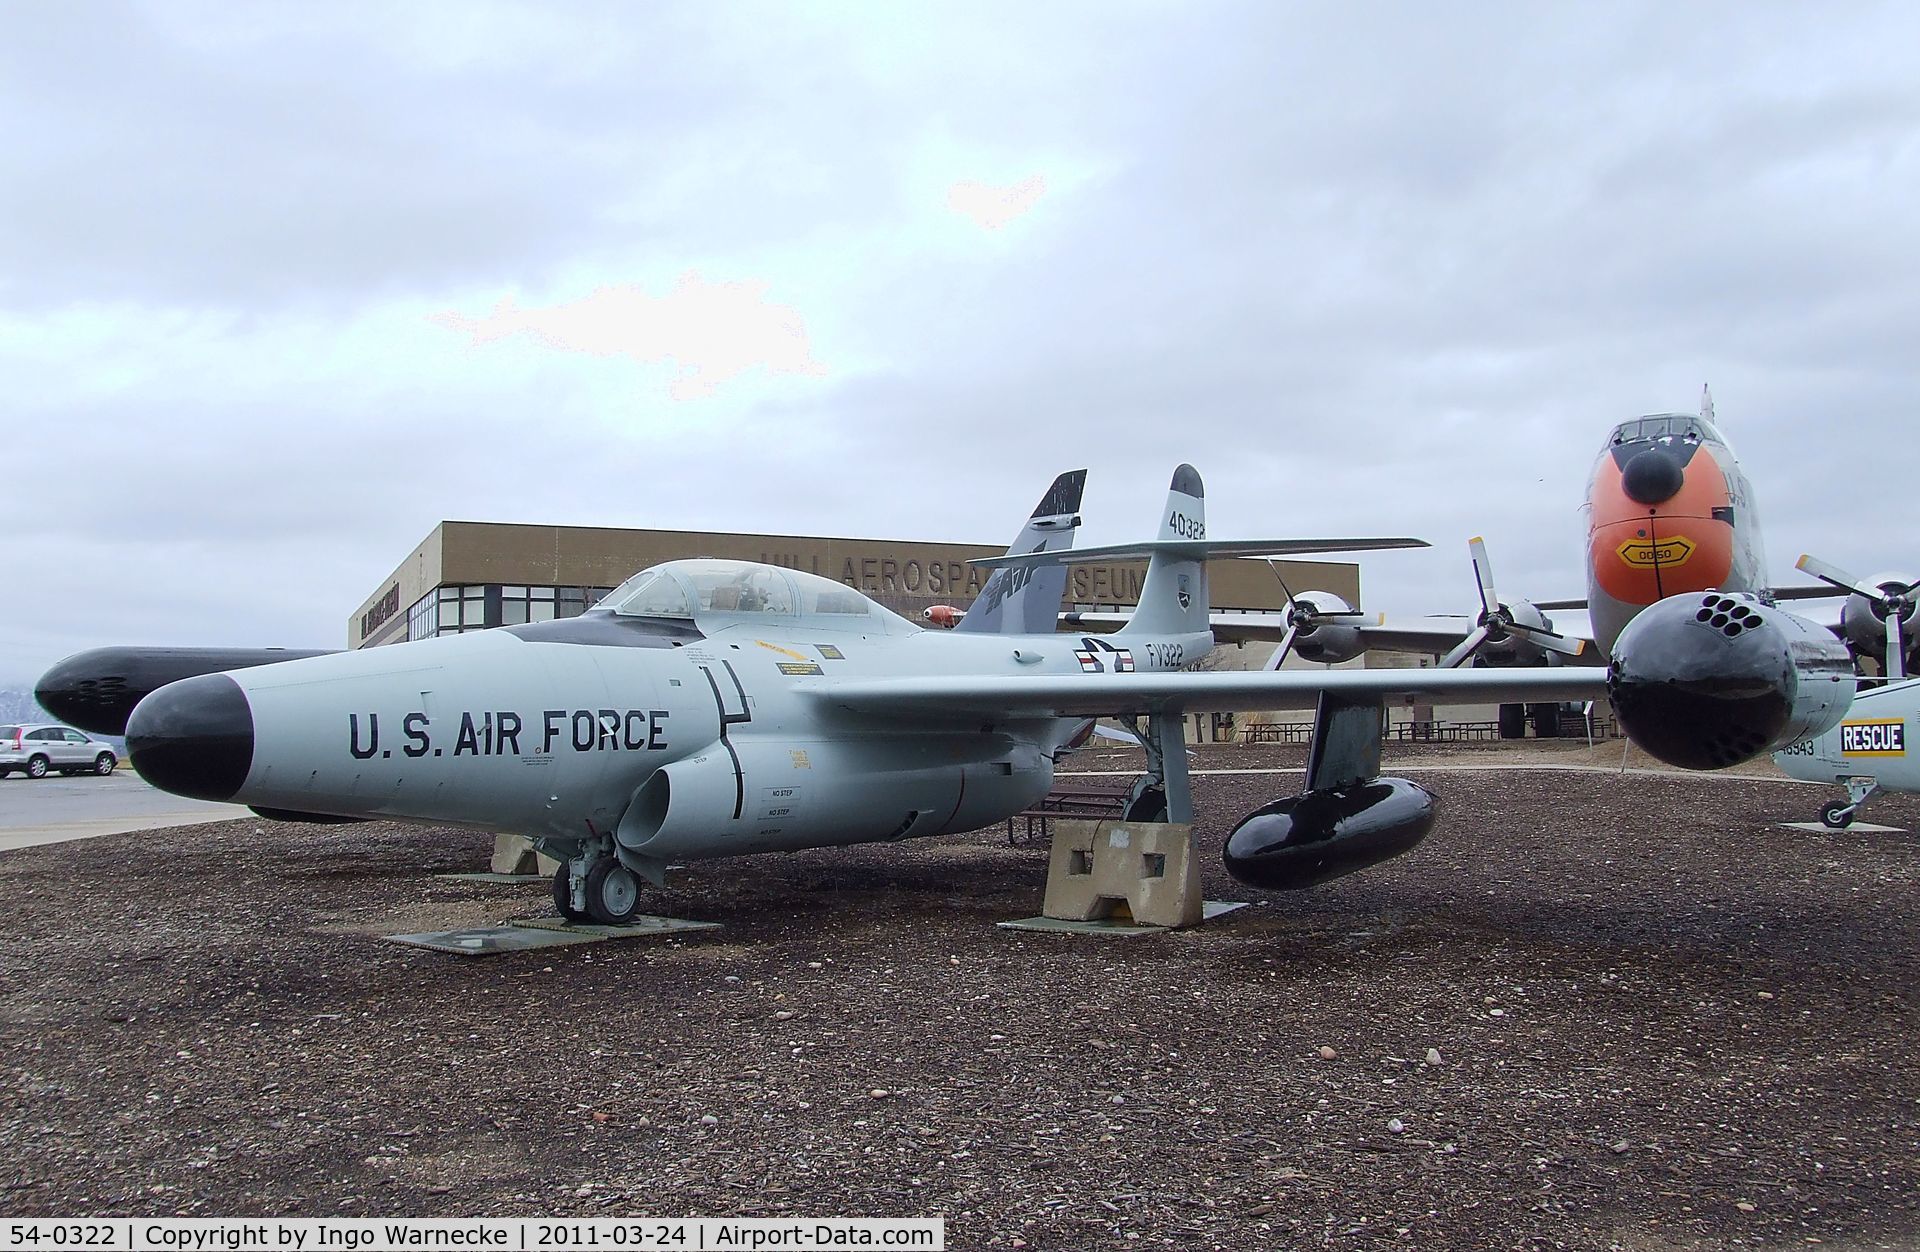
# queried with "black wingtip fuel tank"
point(1316, 836)
point(1705, 681)
point(98, 689)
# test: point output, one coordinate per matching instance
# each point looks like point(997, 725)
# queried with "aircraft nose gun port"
point(193, 737)
point(1652, 476)
point(1708, 681)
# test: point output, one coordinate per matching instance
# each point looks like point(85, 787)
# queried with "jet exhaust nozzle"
point(1310, 838)
point(194, 737)
point(1708, 681)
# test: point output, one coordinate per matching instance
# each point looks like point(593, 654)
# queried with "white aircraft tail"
point(1173, 599)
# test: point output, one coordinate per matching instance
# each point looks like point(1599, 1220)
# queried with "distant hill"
point(19, 706)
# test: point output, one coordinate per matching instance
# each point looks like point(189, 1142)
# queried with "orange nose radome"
point(1660, 527)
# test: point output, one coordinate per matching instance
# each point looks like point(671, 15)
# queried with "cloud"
point(992, 208)
point(712, 332)
point(1367, 277)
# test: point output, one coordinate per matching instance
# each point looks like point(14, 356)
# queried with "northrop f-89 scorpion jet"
point(711, 708)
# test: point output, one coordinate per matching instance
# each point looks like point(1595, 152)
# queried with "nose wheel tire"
point(563, 894)
point(104, 763)
point(613, 892)
point(37, 767)
point(1836, 815)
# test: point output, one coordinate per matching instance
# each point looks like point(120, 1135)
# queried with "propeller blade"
point(1896, 646)
point(1833, 575)
point(1464, 648)
point(1483, 574)
point(1552, 641)
point(1274, 567)
point(1279, 656)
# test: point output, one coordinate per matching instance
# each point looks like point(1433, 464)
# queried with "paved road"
point(49, 810)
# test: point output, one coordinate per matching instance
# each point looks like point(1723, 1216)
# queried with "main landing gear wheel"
point(1836, 815)
point(613, 893)
point(563, 894)
point(1147, 804)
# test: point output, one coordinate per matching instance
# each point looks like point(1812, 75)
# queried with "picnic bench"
point(1072, 800)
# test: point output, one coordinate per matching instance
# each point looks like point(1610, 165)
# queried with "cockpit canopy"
point(1685, 426)
point(714, 594)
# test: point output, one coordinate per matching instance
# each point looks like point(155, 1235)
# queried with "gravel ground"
point(1590, 1011)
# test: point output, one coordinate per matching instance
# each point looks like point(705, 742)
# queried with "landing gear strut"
point(1839, 814)
point(593, 885)
point(563, 894)
point(1163, 793)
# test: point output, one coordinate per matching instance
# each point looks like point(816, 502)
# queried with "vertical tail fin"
point(1173, 600)
point(1022, 600)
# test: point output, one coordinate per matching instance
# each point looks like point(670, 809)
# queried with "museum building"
point(475, 575)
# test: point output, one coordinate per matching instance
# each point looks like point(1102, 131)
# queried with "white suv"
point(33, 750)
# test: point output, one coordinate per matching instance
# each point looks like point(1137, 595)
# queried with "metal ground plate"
point(643, 926)
point(1862, 828)
point(1209, 910)
point(484, 876)
point(489, 940)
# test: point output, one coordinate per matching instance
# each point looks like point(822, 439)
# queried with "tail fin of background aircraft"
point(1173, 600)
point(1025, 599)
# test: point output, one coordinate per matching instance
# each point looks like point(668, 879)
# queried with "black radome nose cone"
point(1652, 477)
point(194, 737)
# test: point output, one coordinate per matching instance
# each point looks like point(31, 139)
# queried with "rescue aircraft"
point(711, 708)
point(1867, 752)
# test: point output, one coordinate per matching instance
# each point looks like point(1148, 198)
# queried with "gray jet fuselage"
point(682, 744)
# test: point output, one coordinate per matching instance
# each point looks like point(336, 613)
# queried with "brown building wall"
point(905, 575)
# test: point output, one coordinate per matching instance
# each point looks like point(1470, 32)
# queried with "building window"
point(456, 610)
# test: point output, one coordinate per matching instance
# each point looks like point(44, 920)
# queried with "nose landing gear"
point(1839, 814)
point(593, 886)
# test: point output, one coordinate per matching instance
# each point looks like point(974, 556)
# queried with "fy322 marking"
point(500, 733)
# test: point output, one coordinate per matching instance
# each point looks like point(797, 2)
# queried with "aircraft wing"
point(1000, 697)
point(1434, 635)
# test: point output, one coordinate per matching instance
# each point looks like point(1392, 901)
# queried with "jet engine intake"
point(1316, 836)
point(1709, 680)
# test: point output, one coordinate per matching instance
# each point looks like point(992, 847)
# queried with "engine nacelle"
point(1307, 839)
point(1866, 630)
point(1514, 648)
point(1324, 642)
point(1708, 680)
point(761, 795)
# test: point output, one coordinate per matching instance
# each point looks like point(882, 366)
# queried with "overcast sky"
point(284, 286)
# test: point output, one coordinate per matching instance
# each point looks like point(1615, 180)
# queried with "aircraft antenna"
point(1706, 402)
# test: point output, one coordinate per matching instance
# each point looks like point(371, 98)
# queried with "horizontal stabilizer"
point(1198, 550)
